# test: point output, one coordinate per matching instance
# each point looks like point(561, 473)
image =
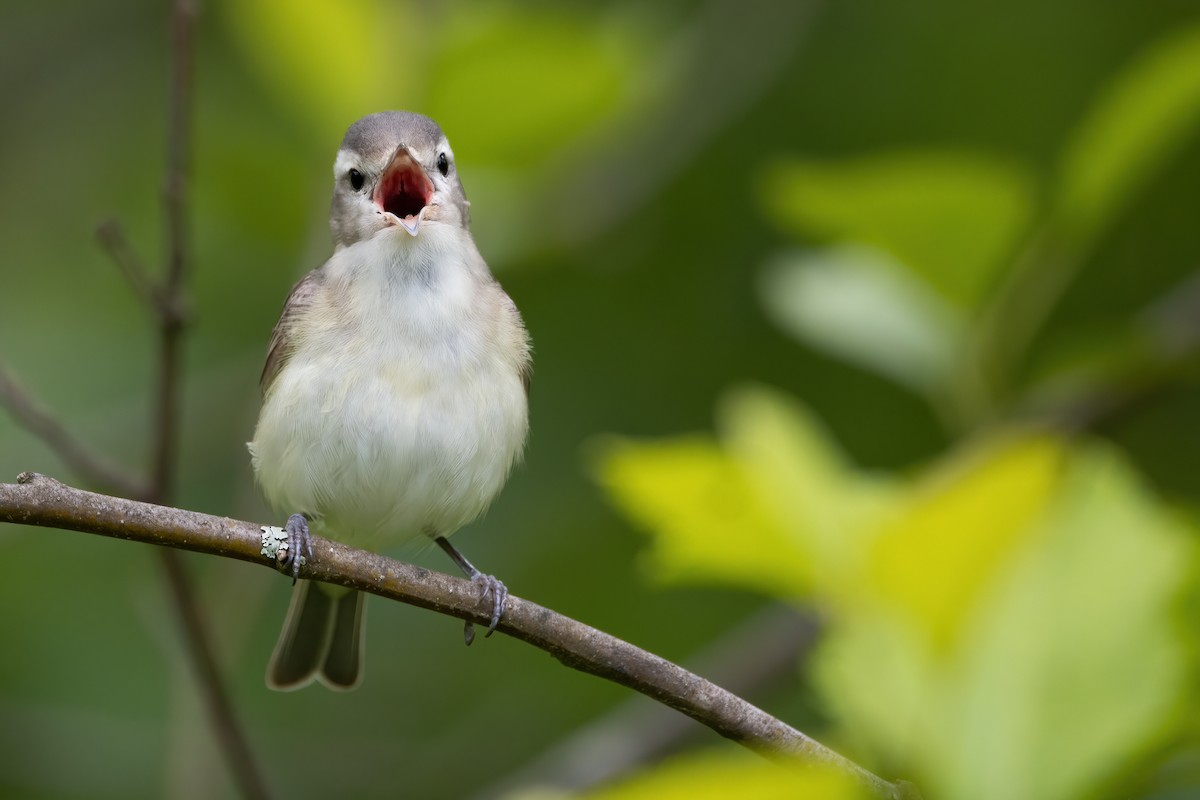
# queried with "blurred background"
point(865, 384)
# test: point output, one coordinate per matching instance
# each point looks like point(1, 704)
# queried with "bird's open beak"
point(404, 191)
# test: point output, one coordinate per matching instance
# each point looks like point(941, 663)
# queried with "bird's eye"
point(356, 179)
point(443, 164)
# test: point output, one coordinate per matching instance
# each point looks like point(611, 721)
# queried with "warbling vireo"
point(394, 393)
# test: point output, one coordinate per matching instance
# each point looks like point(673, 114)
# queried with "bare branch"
point(175, 185)
point(169, 303)
point(112, 239)
point(89, 466)
point(92, 468)
point(42, 501)
point(762, 650)
point(229, 734)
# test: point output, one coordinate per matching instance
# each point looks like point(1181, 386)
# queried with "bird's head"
point(394, 175)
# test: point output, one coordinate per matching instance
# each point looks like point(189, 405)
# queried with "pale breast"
point(401, 411)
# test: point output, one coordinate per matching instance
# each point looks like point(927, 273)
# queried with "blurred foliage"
point(1149, 111)
point(1008, 623)
point(988, 619)
point(710, 776)
point(952, 218)
point(774, 479)
point(933, 264)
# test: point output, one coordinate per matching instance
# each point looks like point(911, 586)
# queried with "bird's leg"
point(490, 585)
point(299, 548)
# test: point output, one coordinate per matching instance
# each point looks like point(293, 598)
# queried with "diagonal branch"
point(27, 412)
point(42, 501)
point(169, 299)
point(166, 395)
point(111, 237)
point(232, 740)
point(762, 650)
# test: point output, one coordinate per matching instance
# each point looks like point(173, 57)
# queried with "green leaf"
point(332, 62)
point(943, 546)
point(518, 85)
point(799, 473)
point(1133, 129)
point(952, 218)
point(720, 776)
point(706, 520)
point(859, 305)
point(1065, 662)
point(770, 507)
point(513, 86)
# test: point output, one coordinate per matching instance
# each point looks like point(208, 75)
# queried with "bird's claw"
point(491, 586)
point(299, 547)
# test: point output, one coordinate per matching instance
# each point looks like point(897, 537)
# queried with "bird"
point(395, 389)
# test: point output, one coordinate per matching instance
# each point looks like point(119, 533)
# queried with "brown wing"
point(525, 360)
point(280, 348)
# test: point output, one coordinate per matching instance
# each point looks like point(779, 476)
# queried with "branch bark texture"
point(42, 501)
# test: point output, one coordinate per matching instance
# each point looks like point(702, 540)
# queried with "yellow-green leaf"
point(1076, 663)
point(952, 218)
point(960, 528)
point(798, 471)
point(1142, 119)
point(858, 304)
point(518, 85)
point(722, 776)
point(706, 519)
point(771, 505)
point(1065, 664)
point(333, 62)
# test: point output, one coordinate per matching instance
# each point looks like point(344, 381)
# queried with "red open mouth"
point(404, 190)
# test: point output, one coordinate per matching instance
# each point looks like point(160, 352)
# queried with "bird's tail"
point(322, 638)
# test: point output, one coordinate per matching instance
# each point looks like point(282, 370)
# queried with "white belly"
point(377, 460)
point(397, 421)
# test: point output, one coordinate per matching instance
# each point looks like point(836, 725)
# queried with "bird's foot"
point(489, 585)
point(493, 586)
point(298, 549)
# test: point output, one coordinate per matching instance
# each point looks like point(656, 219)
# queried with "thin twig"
point(166, 399)
point(763, 650)
point(175, 184)
point(614, 184)
point(38, 500)
point(89, 466)
point(111, 237)
point(228, 730)
point(1168, 331)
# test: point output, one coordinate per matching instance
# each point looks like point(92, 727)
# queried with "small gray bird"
point(395, 389)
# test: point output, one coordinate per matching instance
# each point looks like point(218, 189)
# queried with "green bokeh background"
point(617, 157)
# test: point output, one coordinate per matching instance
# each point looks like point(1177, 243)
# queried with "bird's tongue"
point(404, 191)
